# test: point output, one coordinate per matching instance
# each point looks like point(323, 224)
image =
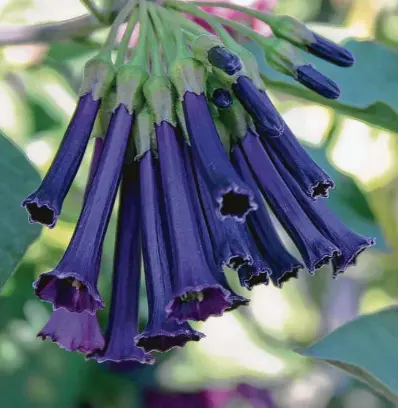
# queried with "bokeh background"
point(247, 357)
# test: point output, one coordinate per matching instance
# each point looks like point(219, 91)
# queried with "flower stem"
point(94, 10)
point(266, 18)
point(124, 44)
point(140, 56)
point(106, 51)
point(156, 63)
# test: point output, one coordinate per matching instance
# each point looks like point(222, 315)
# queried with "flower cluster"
point(194, 145)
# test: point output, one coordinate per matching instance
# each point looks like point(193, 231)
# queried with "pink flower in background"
point(260, 5)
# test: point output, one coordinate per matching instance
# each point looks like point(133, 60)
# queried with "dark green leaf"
point(17, 179)
point(365, 348)
point(368, 89)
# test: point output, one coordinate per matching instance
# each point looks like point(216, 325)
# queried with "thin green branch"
point(124, 44)
point(94, 10)
point(156, 63)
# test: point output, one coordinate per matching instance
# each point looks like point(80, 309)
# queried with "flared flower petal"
point(73, 283)
point(204, 226)
point(311, 178)
point(161, 333)
point(348, 242)
point(123, 316)
point(196, 294)
point(315, 249)
point(73, 331)
point(232, 196)
point(283, 266)
point(45, 204)
point(330, 51)
point(313, 79)
point(266, 118)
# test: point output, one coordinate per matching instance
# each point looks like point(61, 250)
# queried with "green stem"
point(161, 33)
point(191, 8)
point(186, 23)
point(124, 44)
point(266, 18)
point(141, 56)
point(94, 10)
point(157, 66)
point(119, 20)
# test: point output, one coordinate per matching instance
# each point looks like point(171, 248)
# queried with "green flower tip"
point(130, 80)
point(99, 73)
point(159, 96)
point(203, 44)
point(188, 75)
point(292, 30)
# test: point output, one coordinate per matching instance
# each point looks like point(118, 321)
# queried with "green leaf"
point(17, 179)
point(365, 348)
point(369, 89)
point(348, 201)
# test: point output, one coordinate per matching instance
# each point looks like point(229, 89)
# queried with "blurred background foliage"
point(353, 139)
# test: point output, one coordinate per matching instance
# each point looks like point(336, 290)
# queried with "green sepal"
point(282, 56)
point(158, 92)
point(223, 134)
point(213, 83)
point(292, 30)
point(98, 75)
point(188, 75)
point(181, 121)
point(130, 80)
point(251, 68)
point(144, 133)
point(203, 44)
point(235, 117)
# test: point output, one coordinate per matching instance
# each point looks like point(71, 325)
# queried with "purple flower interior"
point(68, 292)
point(199, 304)
point(235, 204)
point(42, 214)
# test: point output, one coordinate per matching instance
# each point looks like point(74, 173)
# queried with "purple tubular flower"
point(234, 199)
point(45, 204)
point(348, 242)
point(315, 249)
point(314, 80)
point(331, 52)
point(73, 331)
point(224, 59)
point(221, 98)
point(160, 334)
point(197, 295)
point(95, 160)
point(73, 283)
point(257, 103)
point(283, 266)
point(204, 226)
point(123, 316)
point(311, 178)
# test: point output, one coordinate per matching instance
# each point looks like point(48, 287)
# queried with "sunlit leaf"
point(365, 348)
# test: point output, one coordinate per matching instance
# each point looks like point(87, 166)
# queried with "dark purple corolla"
point(266, 118)
point(319, 83)
point(161, 333)
point(74, 331)
point(232, 196)
point(196, 294)
point(315, 249)
point(311, 178)
point(123, 315)
point(348, 242)
point(45, 204)
point(204, 227)
point(282, 264)
point(224, 59)
point(330, 51)
point(221, 98)
point(73, 283)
